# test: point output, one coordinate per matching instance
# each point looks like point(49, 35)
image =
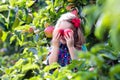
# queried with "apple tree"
point(23, 25)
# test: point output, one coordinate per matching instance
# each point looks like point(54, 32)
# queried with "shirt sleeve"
point(84, 48)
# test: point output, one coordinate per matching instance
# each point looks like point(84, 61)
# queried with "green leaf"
point(52, 66)
point(23, 27)
point(48, 2)
point(36, 21)
point(84, 2)
point(16, 23)
point(114, 71)
point(8, 71)
point(97, 48)
point(5, 77)
point(21, 3)
point(102, 26)
point(36, 78)
point(109, 55)
point(12, 2)
point(76, 64)
point(3, 22)
point(91, 12)
point(2, 19)
point(29, 18)
point(18, 77)
point(29, 3)
point(4, 36)
point(115, 37)
point(3, 26)
point(19, 63)
point(11, 18)
point(29, 66)
point(3, 8)
point(12, 38)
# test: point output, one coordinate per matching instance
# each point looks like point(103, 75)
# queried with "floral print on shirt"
point(64, 56)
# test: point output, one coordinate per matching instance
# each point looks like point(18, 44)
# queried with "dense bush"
point(24, 46)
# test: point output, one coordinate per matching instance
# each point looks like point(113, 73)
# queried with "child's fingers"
point(58, 36)
point(66, 36)
point(71, 35)
point(55, 35)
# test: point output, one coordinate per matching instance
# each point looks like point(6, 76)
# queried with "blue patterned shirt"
point(64, 56)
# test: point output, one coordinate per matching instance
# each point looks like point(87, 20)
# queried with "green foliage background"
point(22, 51)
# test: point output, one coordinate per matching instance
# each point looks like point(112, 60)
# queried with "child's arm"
point(70, 43)
point(72, 52)
point(53, 57)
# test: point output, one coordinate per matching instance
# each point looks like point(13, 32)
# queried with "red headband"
point(76, 22)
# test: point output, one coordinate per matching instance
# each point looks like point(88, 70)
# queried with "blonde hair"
point(79, 39)
point(65, 17)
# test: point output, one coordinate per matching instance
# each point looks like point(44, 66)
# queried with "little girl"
point(67, 40)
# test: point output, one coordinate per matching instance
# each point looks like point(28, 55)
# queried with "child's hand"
point(69, 39)
point(56, 39)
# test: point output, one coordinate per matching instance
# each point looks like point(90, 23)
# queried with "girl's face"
point(64, 25)
point(62, 40)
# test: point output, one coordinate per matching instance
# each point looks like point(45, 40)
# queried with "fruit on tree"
point(70, 6)
point(64, 32)
point(31, 30)
point(48, 31)
point(70, 0)
point(61, 31)
point(67, 31)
